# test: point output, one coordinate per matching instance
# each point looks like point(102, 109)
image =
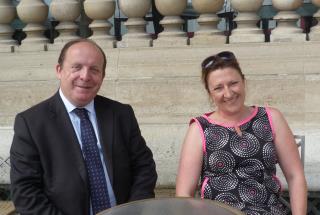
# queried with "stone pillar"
point(314, 35)
point(66, 12)
point(7, 15)
point(136, 35)
point(208, 21)
point(34, 13)
point(247, 30)
point(172, 35)
point(287, 29)
point(100, 11)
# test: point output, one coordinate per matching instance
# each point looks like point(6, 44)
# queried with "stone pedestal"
point(314, 34)
point(66, 12)
point(208, 21)
point(100, 11)
point(172, 35)
point(247, 30)
point(33, 13)
point(287, 29)
point(136, 35)
point(7, 14)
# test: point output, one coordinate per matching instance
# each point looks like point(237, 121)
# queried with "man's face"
point(81, 74)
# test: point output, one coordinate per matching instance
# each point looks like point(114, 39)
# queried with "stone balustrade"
point(34, 14)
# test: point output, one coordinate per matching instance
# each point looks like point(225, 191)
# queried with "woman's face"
point(227, 90)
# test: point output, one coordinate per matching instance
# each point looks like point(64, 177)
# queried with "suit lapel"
point(105, 120)
point(68, 135)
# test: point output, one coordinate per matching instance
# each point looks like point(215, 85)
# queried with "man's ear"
point(58, 71)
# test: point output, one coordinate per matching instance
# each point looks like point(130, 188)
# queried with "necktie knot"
point(81, 113)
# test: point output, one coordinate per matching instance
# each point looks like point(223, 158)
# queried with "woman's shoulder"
point(276, 116)
point(273, 111)
point(200, 119)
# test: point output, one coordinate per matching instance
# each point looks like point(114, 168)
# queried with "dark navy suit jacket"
point(48, 174)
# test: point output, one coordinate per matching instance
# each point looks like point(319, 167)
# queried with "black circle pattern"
point(250, 168)
point(208, 192)
point(217, 135)
point(230, 199)
point(269, 154)
point(245, 146)
point(249, 212)
point(261, 128)
point(279, 209)
point(273, 199)
point(252, 192)
point(224, 182)
point(272, 184)
point(221, 162)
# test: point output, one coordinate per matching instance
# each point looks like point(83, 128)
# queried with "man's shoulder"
point(39, 107)
point(104, 101)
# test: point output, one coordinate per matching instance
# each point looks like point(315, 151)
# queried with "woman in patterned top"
point(234, 149)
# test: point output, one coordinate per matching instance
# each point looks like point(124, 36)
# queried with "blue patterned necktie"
point(97, 181)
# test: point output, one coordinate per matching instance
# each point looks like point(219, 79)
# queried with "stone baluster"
point(100, 11)
point(287, 29)
point(7, 15)
point(136, 35)
point(247, 30)
point(208, 32)
point(314, 35)
point(172, 35)
point(66, 12)
point(34, 13)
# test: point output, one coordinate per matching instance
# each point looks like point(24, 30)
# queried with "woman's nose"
point(227, 92)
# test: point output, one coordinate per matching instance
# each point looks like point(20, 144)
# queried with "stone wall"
point(163, 86)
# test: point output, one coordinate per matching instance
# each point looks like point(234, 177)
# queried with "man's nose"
point(85, 74)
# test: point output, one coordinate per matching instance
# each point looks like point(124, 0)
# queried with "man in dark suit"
point(50, 173)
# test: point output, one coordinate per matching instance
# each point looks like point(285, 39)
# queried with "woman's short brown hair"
point(225, 59)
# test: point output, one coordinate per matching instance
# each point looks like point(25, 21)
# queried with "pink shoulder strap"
point(270, 120)
point(201, 133)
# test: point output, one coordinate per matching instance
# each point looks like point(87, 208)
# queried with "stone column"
point(247, 30)
point(287, 29)
point(7, 15)
point(100, 11)
point(314, 35)
point(34, 13)
point(172, 35)
point(208, 21)
point(136, 35)
point(66, 12)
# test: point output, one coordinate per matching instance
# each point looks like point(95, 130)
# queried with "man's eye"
point(95, 70)
point(76, 67)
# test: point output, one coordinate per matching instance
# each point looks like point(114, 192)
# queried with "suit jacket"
point(48, 174)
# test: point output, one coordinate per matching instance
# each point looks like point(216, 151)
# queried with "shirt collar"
point(70, 107)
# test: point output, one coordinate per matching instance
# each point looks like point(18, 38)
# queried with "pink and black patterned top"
point(241, 170)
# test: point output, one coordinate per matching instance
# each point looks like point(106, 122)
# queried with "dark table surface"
point(172, 206)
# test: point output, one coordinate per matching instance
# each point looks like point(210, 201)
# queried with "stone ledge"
point(6, 208)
